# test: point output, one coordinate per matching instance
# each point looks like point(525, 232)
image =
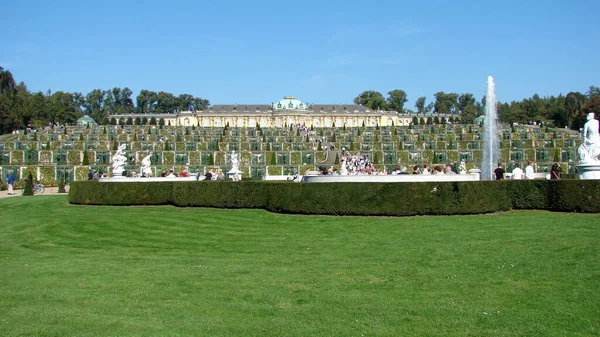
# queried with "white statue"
point(463, 167)
point(344, 170)
point(119, 161)
point(146, 170)
point(234, 161)
point(589, 150)
point(235, 172)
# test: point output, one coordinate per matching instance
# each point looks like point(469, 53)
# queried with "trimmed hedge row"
point(425, 198)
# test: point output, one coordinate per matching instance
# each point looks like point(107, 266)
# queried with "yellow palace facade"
point(283, 113)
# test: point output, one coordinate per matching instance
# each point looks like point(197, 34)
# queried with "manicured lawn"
point(69, 270)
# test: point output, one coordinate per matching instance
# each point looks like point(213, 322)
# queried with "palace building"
point(285, 112)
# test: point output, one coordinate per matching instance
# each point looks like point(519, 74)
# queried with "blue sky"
point(319, 51)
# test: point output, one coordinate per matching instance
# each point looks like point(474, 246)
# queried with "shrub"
point(28, 185)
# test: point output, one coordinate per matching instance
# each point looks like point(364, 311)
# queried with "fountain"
point(490, 137)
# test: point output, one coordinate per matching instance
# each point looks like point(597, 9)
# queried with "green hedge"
point(426, 198)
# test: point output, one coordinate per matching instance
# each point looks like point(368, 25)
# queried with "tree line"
point(569, 110)
point(19, 107)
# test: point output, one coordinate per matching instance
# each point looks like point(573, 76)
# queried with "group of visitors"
point(529, 173)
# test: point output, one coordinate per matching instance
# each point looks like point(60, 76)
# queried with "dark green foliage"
point(104, 130)
point(210, 160)
point(167, 146)
point(115, 145)
point(61, 186)
point(427, 198)
point(319, 147)
point(273, 160)
point(28, 185)
point(85, 160)
point(48, 145)
point(556, 155)
point(337, 159)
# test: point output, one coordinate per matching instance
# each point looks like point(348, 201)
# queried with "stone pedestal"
point(117, 173)
point(589, 170)
point(476, 173)
point(234, 175)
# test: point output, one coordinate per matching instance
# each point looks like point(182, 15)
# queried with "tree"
point(86, 160)
point(165, 103)
point(445, 103)
point(146, 101)
point(396, 100)
point(593, 91)
point(93, 104)
point(573, 113)
point(371, 99)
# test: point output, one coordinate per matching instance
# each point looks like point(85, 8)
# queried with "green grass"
point(68, 270)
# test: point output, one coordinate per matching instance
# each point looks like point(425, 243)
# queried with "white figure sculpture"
point(589, 150)
point(234, 161)
point(235, 172)
point(119, 161)
point(146, 170)
point(344, 170)
point(463, 167)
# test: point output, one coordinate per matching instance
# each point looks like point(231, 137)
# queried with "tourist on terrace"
point(555, 172)
point(449, 170)
point(171, 174)
point(517, 173)
point(426, 169)
point(499, 172)
point(10, 181)
point(437, 170)
point(529, 172)
point(417, 169)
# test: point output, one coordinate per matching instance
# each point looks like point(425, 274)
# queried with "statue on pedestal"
point(463, 167)
point(589, 150)
point(146, 170)
point(235, 172)
point(119, 161)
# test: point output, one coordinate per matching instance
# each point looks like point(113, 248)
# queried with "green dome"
point(289, 103)
point(86, 120)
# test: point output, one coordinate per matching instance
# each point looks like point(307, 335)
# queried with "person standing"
point(529, 170)
point(555, 172)
point(10, 181)
point(517, 173)
point(499, 172)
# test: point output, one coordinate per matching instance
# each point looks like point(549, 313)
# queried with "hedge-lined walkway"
point(47, 191)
